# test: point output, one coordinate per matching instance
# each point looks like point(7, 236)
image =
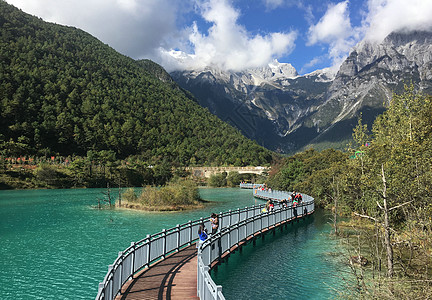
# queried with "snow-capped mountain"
point(284, 111)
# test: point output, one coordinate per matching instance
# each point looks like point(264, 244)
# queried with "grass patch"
point(177, 195)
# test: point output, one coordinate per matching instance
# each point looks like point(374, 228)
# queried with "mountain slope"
point(368, 78)
point(289, 112)
point(64, 92)
point(265, 104)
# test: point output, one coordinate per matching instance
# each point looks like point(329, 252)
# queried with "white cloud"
point(333, 26)
point(228, 45)
point(273, 4)
point(147, 29)
point(312, 63)
point(334, 29)
point(380, 19)
point(386, 16)
point(133, 27)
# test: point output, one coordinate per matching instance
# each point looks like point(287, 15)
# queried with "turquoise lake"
point(55, 245)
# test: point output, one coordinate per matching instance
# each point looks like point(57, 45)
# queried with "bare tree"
point(335, 197)
point(107, 198)
point(385, 224)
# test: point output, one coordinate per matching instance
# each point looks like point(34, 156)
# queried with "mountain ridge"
point(307, 110)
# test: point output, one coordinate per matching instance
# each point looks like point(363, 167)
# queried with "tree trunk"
point(119, 195)
point(387, 241)
point(335, 200)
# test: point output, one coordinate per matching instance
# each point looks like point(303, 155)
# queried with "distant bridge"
point(209, 171)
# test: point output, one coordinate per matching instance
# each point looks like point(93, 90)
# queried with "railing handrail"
point(206, 287)
point(250, 185)
point(142, 254)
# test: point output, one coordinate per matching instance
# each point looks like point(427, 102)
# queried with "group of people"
point(268, 207)
point(295, 198)
point(265, 188)
point(202, 231)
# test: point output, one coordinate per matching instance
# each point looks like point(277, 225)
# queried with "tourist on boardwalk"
point(284, 203)
point(299, 198)
point(202, 232)
point(267, 206)
point(295, 201)
point(214, 219)
point(271, 206)
point(293, 196)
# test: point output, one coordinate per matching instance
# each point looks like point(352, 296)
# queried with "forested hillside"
point(63, 92)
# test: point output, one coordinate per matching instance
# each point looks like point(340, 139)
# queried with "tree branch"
point(379, 205)
point(400, 205)
point(365, 216)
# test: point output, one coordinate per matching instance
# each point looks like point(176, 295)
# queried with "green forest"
point(383, 181)
point(65, 93)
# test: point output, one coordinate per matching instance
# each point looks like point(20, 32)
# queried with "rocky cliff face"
point(285, 112)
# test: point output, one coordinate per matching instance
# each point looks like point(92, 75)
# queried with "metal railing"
point(216, 245)
point(157, 246)
point(251, 185)
point(278, 195)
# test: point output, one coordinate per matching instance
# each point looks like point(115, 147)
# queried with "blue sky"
point(236, 34)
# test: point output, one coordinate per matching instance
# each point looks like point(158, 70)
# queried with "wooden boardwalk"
point(173, 278)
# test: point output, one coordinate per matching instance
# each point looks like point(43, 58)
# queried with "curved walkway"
point(173, 267)
point(174, 277)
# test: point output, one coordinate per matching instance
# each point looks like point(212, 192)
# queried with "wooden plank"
point(175, 277)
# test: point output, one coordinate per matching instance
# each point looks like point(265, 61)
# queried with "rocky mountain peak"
point(285, 111)
point(274, 70)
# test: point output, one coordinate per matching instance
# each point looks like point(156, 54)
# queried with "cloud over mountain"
point(123, 24)
point(227, 44)
point(379, 19)
point(197, 33)
point(334, 28)
point(386, 16)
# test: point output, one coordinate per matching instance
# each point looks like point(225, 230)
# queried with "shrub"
point(175, 195)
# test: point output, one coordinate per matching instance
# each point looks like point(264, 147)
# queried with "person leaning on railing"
point(214, 219)
point(202, 232)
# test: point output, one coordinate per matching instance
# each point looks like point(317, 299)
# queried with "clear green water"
point(54, 245)
point(299, 262)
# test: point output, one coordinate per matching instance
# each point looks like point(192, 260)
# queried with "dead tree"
point(385, 224)
point(107, 198)
point(335, 197)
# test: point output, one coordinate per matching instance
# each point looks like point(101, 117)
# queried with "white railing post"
point(101, 287)
point(110, 268)
point(163, 243)
point(178, 237)
point(120, 270)
point(220, 221)
point(190, 232)
point(205, 271)
point(133, 259)
point(147, 262)
point(218, 291)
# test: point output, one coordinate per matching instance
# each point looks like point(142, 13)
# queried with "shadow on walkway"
point(175, 277)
